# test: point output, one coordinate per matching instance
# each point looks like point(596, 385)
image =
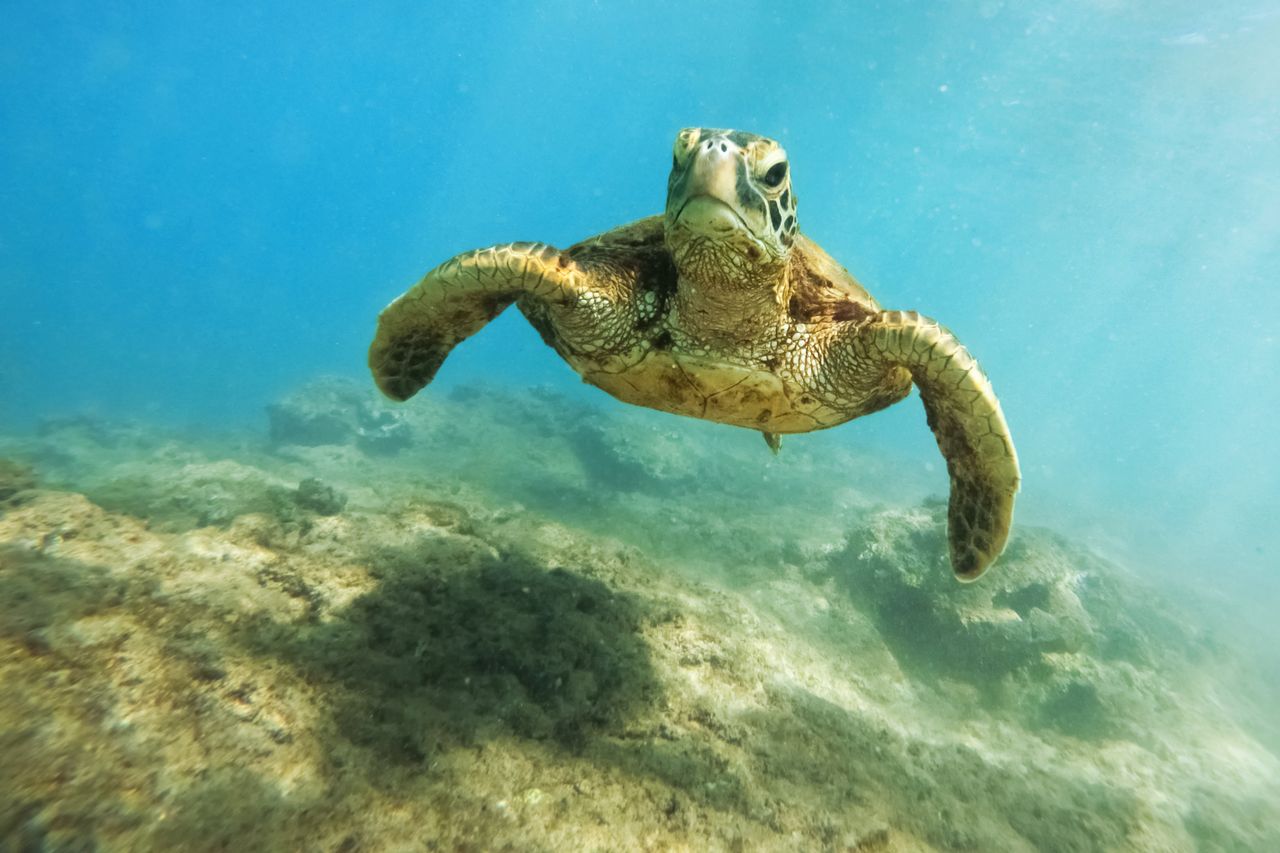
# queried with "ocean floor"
point(496, 620)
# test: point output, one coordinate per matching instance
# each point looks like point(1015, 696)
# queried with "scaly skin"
point(454, 301)
point(722, 310)
point(966, 420)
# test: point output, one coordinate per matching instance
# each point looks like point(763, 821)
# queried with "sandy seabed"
point(495, 620)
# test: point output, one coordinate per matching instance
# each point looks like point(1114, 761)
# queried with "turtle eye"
point(776, 175)
point(675, 161)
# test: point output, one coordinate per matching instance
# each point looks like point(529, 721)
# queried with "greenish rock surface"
point(544, 626)
point(15, 478)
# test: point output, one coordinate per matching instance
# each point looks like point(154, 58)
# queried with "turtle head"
point(729, 201)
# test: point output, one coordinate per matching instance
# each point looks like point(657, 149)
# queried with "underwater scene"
point(862, 436)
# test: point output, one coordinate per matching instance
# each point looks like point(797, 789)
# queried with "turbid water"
point(245, 602)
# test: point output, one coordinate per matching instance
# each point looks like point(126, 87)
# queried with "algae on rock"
point(15, 478)
point(481, 644)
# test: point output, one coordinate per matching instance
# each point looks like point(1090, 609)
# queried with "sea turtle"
point(721, 309)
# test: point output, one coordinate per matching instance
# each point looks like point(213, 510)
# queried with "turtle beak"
point(714, 170)
point(710, 193)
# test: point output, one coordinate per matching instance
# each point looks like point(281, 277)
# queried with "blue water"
point(202, 206)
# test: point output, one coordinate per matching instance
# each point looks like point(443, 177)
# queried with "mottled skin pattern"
point(721, 309)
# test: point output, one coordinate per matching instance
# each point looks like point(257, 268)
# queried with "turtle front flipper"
point(454, 301)
point(965, 417)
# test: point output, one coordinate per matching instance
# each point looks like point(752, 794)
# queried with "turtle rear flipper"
point(417, 331)
point(969, 426)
